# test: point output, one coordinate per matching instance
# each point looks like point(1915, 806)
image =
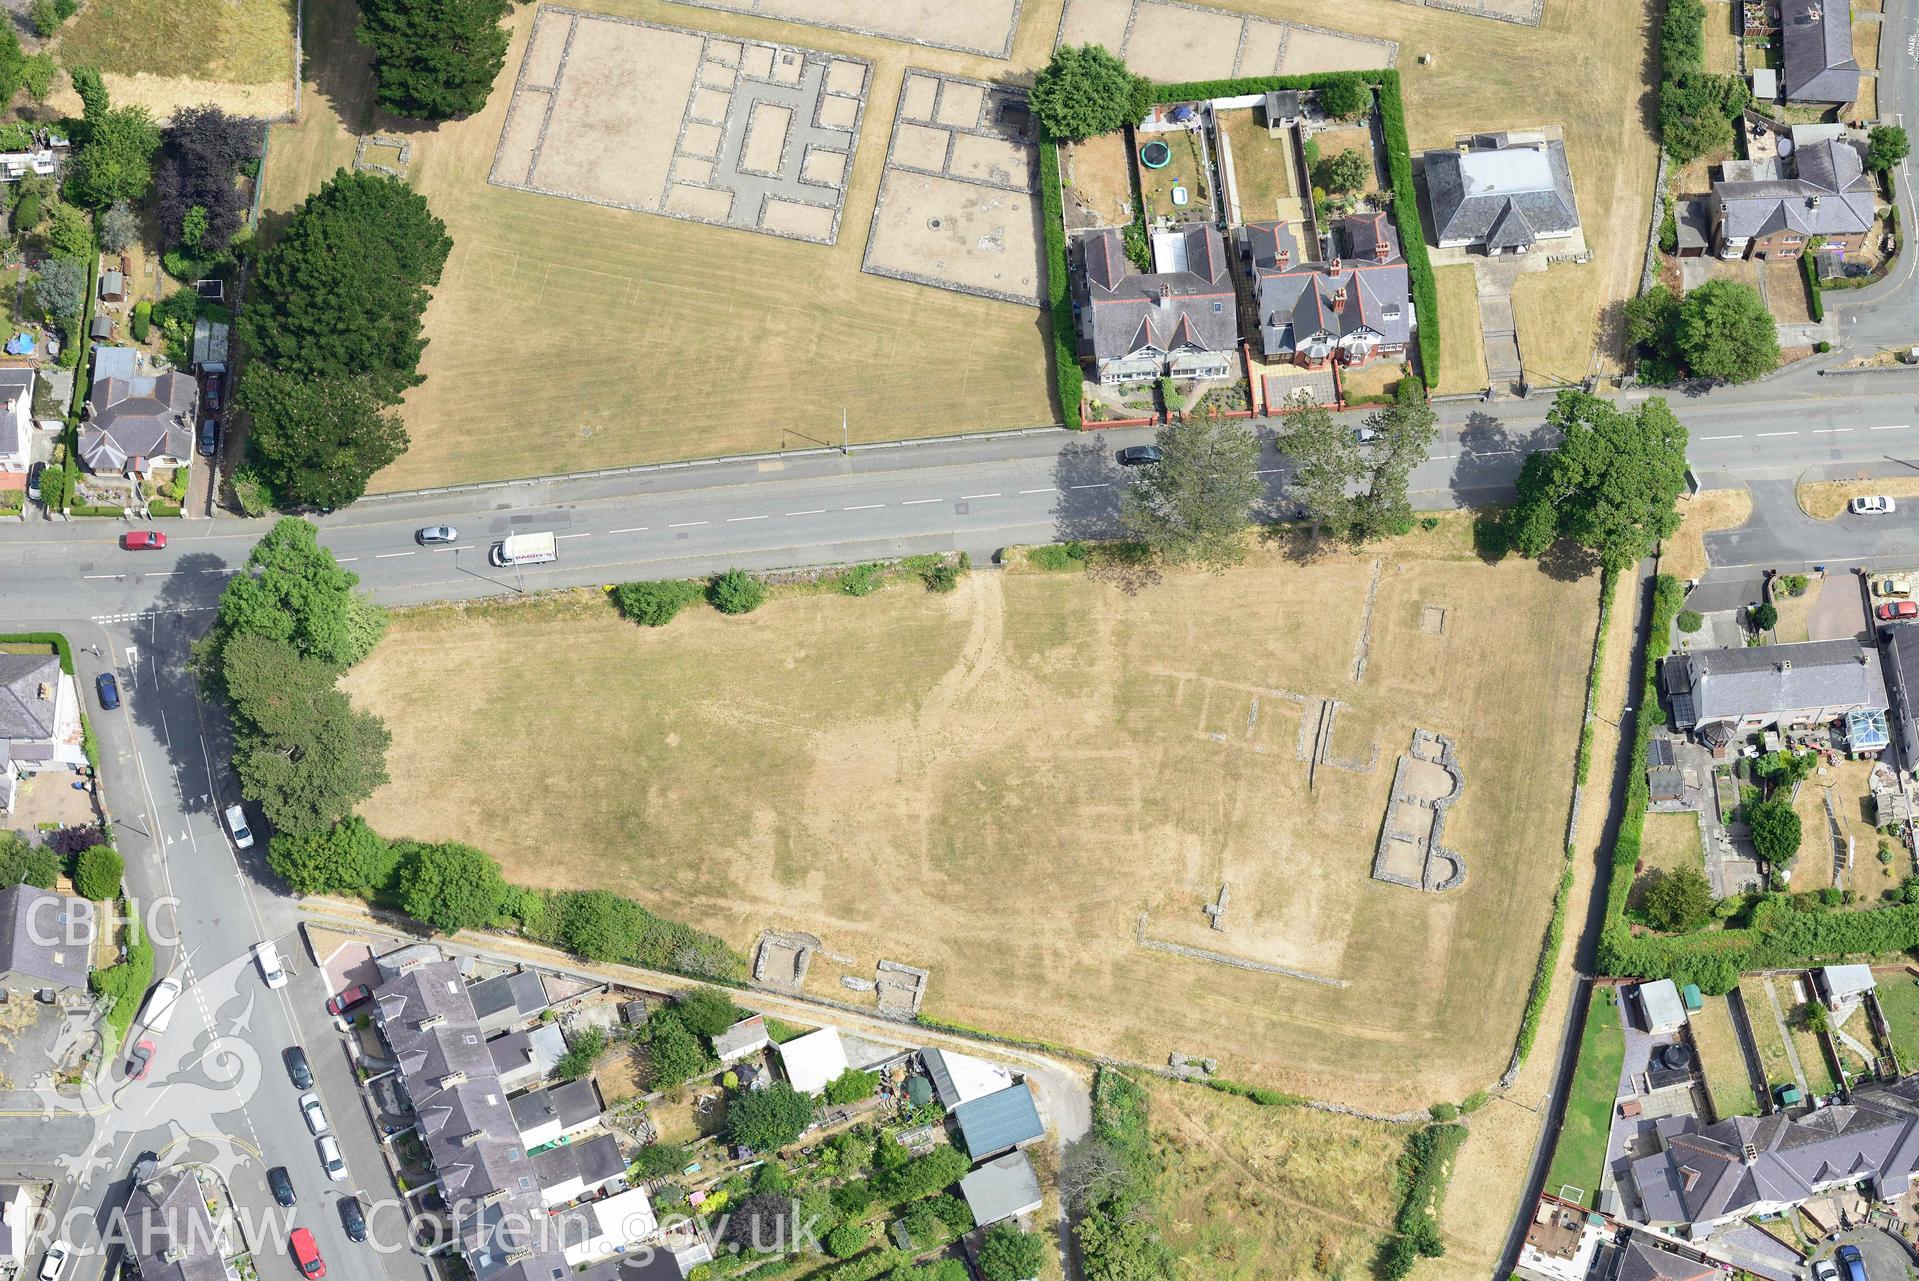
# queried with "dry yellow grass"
point(1462, 354)
point(1795, 612)
point(1684, 554)
point(1865, 44)
point(164, 54)
point(1825, 499)
point(1049, 754)
point(1722, 43)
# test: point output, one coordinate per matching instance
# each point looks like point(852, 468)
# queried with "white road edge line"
point(1048, 490)
point(1099, 485)
point(734, 520)
point(558, 536)
point(967, 498)
point(631, 529)
point(1894, 427)
point(917, 502)
point(1765, 434)
point(688, 524)
point(344, 560)
point(391, 555)
point(817, 511)
point(863, 507)
point(1722, 438)
point(1827, 431)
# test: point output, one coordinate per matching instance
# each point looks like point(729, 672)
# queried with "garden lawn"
point(1579, 1155)
point(164, 54)
point(1262, 170)
point(1462, 355)
point(1899, 1001)
point(1766, 1040)
point(1725, 1067)
point(1812, 1055)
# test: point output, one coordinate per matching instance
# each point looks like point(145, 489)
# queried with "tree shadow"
point(1089, 484)
point(1487, 449)
point(1568, 562)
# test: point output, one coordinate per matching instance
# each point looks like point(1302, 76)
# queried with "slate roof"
point(1123, 310)
point(1729, 684)
point(137, 417)
point(1819, 66)
point(166, 1210)
point(14, 384)
point(570, 1104)
point(1645, 1258)
point(999, 1121)
point(1000, 1189)
point(1902, 666)
point(24, 714)
point(1704, 1175)
point(960, 1078)
point(1503, 191)
point(1830, 196)
point(592, 1162)
point(536, 1050)
point(1311, 306)
point(45, 937)
point(505, 999)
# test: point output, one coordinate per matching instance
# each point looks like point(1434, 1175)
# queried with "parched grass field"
point(1250, 1193)
point(165, 54)
point(1579, 1154)
point(1462, 352)
point(1812, 1056)
point(1825, 499)
point(1766, 1040)
point(1684, 554)
point(1720, 1059)
point(997, 784)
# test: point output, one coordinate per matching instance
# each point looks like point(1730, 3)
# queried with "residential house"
point(748, 1036)
point(16, 1226)
point(811, 1061)
point(1003, 1188)
point(1501, 192)
point(1758, 213)
point(607, 1227)
point(1348, 310)
point(1724, 694)
point(136, 422)
point(1179, 321)
point(1902, 683)
point(960, 1078)
point(506, 1001)
point(1747, 1166)
point(1000, 1121)
point(16, 419)
point(570, 1171)
point(169, 1233)
point(1819, 66)
point(1660, 1009)
point(526, 1058)
point(1561, 1242)
point(549, 1115)
point(39, 720)
point(46, 942)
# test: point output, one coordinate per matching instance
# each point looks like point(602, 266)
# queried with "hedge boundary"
point(1069, 381)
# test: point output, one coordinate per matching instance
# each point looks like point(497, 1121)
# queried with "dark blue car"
point(1853, 1262)
point(109, 690)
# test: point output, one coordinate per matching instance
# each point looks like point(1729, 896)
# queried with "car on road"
point(1139, 456)
point(158, 1011)
point(144, 540)
point(298, 1070)
point(306, 1253)
point(310, 1109)
point(352, 1218)
point(281, 1184)
point(1874, 505)
point(1853, 1262)
point(108, 689)
point(436, 534)
point(209, 436)
point(59, 1254)
point(237, 821)
point(330, 1156)
point(139, 1059)
point(272, 969)
point(347, 999)
point(1893, 610)
point(33, 480)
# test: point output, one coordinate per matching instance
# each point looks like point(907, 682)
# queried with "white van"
point(523, 549)
point(272, 969)
point(158, 1011)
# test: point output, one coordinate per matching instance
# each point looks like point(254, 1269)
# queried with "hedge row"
point(1808, 269)
point(1069, 383)
point(1423, 1173)
point(1257, 1093)
point(126, 982)
point(54, 639)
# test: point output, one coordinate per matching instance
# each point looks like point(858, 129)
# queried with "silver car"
point(437, 534)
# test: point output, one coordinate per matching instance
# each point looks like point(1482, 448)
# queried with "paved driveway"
point(1781, 536)
point(1840, 611)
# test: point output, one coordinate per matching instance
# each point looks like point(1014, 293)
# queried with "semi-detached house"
point(1758, 213)
point(1348, 310)
point(1179, 320)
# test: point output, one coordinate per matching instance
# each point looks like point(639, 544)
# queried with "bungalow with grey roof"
point(1178, 321)
point(136, 422)
point(1501, 192)
point(1348, 310)
point(1819, 66)
point(46, 941)
point(1724, 694)
point(1757, 213)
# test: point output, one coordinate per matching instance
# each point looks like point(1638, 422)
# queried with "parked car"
point(209, 436)
point(330, 1156)
point(306, 1253)
point(352, 1218)
point(144, 540)
point(436, 534)
point(210, 390)
point(59, 1254)
point(1892, 588)
point(282, 1185)
point(298, 1071)
point(1365, 435)
point(1896, 609)
point(1138, 456)
point(237, 820)
point(310, 1109)
point(33, 481)
point(139, 1059)
point(1876, 505)
point(347, 999)
point(108, 689)
point(1850, 1259)
point(1825, 1270)
point(272, 969)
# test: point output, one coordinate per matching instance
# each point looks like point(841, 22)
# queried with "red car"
point(143, 540)
point(348, 999)
point(306, 1254)
point(139, 1059)
point(1894, 610)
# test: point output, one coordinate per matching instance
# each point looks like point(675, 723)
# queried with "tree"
point(707, 1011)
point(674, 1054)
point(657, 1160)
point(434, 59)
point(767, 1120)
point(1783, 768)
point(69, 234)
point(451, 887)
point(1085, 91)
point(318, 440)
point(735, 592)
point(654, 604)
point(301, 750)
point(342, 291)
point(1346, 98)
point(198, 168)
point(1725, 332)
point(924, 1175)
point(22, 863)
point(1610, 485)
point(36, 76)
point(1404, 435)
point(848, 1239)
point(1696, 111)
point(581, 1054)
point(347, 858)
point(1008, 1254)
point(1652, 323)
point(92, 90)
point(116, 160)
point(1326, 464)
point(1775, 831)
point(851, 1086)
point(119, 227)
point(293, 590)
point(1123, 1247)
point(60, 287)
point(1343, 171)
point(1678, 900)
point(1192, 506)
point(97, 873)
point(1765, 616)
point(1886, 146)
point(43, 17)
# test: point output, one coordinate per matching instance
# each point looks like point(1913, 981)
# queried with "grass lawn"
point(1719, 1057)
point(1671, 841)
point(1899, 1001)
point(1722, 42)
point(1684, 554)
point(1796, 611)
point(1380, 378)
point(1333, 141)
point(1262, 166)
point(1766, 1040)
point(1185, 171)
point(160, 53)
point(1579, 1156)
point(1097, 174)
point(1826, 499)
point(1251, 1192)
point(1865, 44)
point(1462, 352)
point(1812, 1056)
point(887, 772)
